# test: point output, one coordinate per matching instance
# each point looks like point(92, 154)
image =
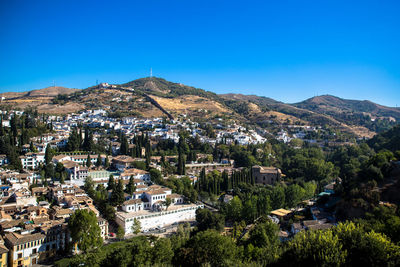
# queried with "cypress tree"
point(117, 195)
point(130, 187)
point(111, 183)
point(124, 150)
point(62, 179)
point(107, 163)
point(203, 178)
point(88, 141)
point(48, 156)
point(181, 162)
point(88, 161)
point(31, 147)
point(99, 161)
point(109, 150)
point(148, 155)
point(225, 178)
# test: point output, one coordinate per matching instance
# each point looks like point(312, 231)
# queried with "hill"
point(42, 99)
point(45, 92)
point(164, 88)
point(272, 110)
point(365, 113)
point(153, 96)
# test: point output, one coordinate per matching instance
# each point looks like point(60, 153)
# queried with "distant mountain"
point(45, 92)
point(42, 99)
point(153, 96)
point(336, 104)
point(354, 112)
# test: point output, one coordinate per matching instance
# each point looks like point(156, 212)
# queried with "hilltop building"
point(266, 175)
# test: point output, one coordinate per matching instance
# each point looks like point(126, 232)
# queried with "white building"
point(32, 160)
point(136, 173)
point(149, 208)
point(152, 219)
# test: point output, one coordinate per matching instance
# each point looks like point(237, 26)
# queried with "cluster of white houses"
point(150, 208)
point(32, 230)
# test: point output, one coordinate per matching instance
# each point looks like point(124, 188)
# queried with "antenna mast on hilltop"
point(151, 73)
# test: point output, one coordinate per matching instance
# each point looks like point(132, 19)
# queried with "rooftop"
point(281, 212)
point(126, 215)
point(17, 239)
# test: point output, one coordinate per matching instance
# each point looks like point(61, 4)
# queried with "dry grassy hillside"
point(42, 99)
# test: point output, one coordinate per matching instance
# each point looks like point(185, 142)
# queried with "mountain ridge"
point(136, 98)
point(44, 92)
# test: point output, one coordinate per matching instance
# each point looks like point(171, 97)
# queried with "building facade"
point(266, 175)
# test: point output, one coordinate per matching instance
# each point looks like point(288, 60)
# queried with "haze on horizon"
point(288, 51)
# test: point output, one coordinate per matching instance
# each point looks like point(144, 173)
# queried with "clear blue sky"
point(287, 50)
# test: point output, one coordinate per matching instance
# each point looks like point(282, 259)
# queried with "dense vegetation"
point(22, 128)
point(347, 244)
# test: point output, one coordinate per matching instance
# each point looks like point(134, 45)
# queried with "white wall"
point(162, 219)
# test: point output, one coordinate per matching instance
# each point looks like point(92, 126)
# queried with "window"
point(19, 255)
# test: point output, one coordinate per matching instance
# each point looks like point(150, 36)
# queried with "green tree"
point(314, 248)
point(136, 226)
point(99, 161)
point(88, 143)
point(48, 156)
point(167, 202)
point(263, 244)
point(209, 220)
point(107, 211)
point(124, 149)
point(88, 161)
point(117, 195)
point(155, 176)
point(209, 248)
point(366, 248)
point(120, 257)
point(107, 163)
point(111, 183)
point(120, 233)
point(181, 162)
point(73, 143)
point(264, 234)
point(249, 211)
point(130, 187)
point(84, 230)
point(89, 186)
point(162, 251)
point(62, 178)
point(293, 195)
point(234, 209)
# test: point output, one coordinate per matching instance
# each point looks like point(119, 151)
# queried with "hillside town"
point(36, 204)
point(199, 133)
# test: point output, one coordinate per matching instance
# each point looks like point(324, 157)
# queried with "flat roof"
point(281, 212)
point(127, 215)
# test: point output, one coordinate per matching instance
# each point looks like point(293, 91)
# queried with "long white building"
point(151, 219)
point(149, 207)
